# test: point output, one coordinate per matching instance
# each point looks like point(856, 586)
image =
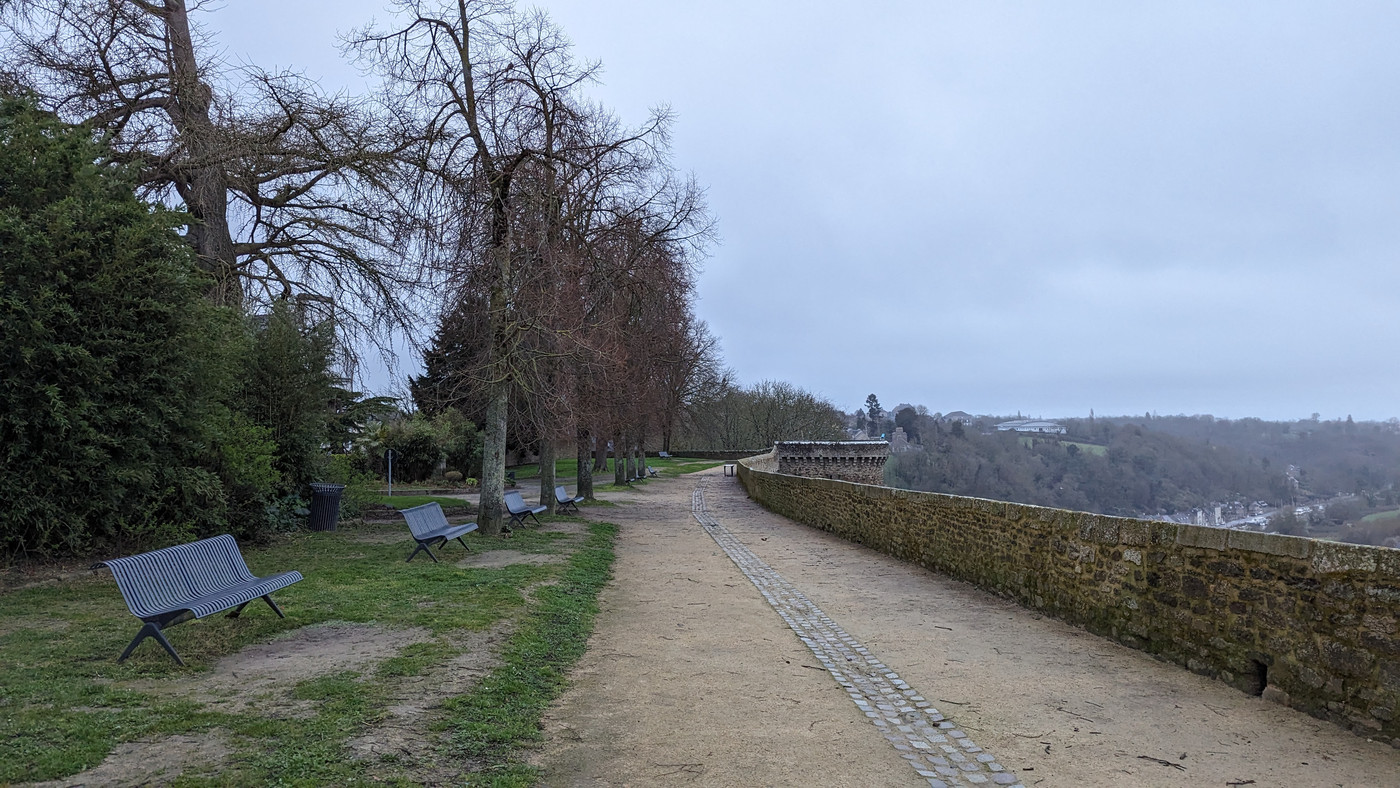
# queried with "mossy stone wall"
point(1311, 624)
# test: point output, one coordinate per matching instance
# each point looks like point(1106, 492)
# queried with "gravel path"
point(738, 648)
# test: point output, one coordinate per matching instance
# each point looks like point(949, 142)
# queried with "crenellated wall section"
point(1310, 624)
point(852, 461)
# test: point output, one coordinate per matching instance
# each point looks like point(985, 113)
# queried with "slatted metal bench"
point(175, 584)
point(565, 502)
point(519, 510)
point(429, 526)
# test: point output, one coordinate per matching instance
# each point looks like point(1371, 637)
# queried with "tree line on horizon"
point(1156, 465)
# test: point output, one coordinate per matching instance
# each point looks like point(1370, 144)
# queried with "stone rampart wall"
point(1311, 624)
point(852, 461)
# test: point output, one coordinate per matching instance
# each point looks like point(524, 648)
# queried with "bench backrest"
point(167, 578)
point(516, 504)
point(425, 519)
point(561, 496)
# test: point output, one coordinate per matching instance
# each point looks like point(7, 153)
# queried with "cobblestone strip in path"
point(932, 744)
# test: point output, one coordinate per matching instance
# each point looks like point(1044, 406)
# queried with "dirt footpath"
point(693, 679)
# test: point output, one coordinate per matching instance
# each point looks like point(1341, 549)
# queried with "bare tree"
point(290, 190)
point(506, 140)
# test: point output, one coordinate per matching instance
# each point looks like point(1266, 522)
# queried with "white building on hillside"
point(1031, 425)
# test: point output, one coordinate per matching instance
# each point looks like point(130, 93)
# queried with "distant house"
point(899, 442)
point(960, 416)
point(1031, 425)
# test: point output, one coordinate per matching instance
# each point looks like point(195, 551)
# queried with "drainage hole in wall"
point(1260, 679)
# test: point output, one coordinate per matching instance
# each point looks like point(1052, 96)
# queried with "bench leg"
point(150, 630)
point(234, 612)
point(268, 599)
point(424, 547)
point(464, 545)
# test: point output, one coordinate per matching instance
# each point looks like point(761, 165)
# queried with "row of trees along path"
point(479, 183)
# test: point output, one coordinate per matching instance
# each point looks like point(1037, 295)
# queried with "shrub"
point(286, 387)
point(415, 445)
point(460, 441)
point(360, 485)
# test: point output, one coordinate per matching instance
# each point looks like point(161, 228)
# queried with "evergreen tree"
point(112, 363)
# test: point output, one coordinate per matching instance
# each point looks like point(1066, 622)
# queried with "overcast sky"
point(1011, 207)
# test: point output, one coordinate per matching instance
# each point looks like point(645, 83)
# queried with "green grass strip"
point(409, 501)
point(488, 725)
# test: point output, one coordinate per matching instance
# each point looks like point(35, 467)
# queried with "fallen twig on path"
point(1176, 766)
point(1072, 714)
point(680, 768)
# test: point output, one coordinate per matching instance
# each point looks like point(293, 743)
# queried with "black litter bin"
point(325, 505)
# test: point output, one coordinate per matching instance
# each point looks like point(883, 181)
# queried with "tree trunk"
point(490, 516)
point(600, 456)
point(619, 474)
point(631, 459)
point(206, 194)
point(585, 466)
point(547, 452)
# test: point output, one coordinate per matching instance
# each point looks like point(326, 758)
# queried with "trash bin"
point(325, 505)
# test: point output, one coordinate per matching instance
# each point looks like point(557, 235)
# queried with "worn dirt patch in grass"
point(571, 527)
point(496, 559)
point(156, 762)
point(261, 677)
point(403, 744)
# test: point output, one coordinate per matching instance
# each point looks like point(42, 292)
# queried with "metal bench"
point(175, 584)
point(651, 472)
point(519, 510)
point(663, 455)
point(429, 526)
point(565, 502)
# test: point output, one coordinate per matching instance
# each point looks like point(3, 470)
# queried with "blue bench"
point(429, 526)
point(565, 502)
point(519, 510)
point(175, 584)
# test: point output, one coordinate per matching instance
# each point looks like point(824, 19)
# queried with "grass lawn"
point(65, 703)
point(410, 501)
point(1379, 516)
point(1092, 448)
